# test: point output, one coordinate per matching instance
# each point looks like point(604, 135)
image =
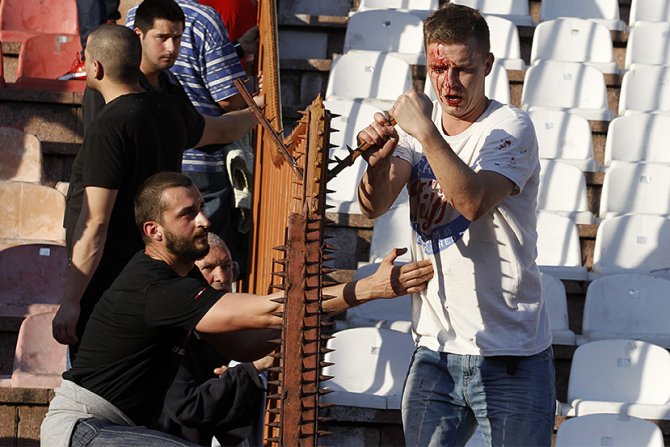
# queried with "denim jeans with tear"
point(511, 398)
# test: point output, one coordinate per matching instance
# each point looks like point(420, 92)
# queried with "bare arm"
point(227, 128)
point(231, 103)
point(472, 193)
point(386, 175)
point(89, 239)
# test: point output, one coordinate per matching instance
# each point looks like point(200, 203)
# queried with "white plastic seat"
point(370, 366)
point(648, 44)
point(601, 11)
point(645, 88)
point(392, 230)
point(354, 117)
point(574, 40)
point(648, 11)
point(496, 85)
point(370, 76)
point(569, 86)
point(563, 191)
point(632, 244)
point(389, 31)
point(515, 10)
point(505, 44)
point(640, 137)
point(619, 377)
point(565, 137)
point(557, 308)
point(635, 188)
point(608, 429)
point(395, 314)
point(420, 5)
point(631, 306)
point(558, 249)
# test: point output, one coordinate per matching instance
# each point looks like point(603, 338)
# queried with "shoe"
point(77, 70)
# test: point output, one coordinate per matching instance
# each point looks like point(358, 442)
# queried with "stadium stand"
point(608, 429)
point(648, 44)
point(601, 11)
point(638, 138)
point(645, 88)
point(635, 188)
point(45, 57)
point(515, 10)
point(422, 8)
point(21, 155)
point(646, 11)
point(563, 191)
point(20, 19)
point(505, 44)
point(558, 248)
point(557, 308)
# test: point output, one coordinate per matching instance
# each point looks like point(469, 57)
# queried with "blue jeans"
point(92, 13)
point(99, 433)
point(446, 396)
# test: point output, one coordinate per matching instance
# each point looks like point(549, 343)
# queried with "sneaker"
point(77, 70)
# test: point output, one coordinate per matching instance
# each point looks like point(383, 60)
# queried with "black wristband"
point(238, 49)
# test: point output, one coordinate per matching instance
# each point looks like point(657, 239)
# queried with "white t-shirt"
point(486, 295)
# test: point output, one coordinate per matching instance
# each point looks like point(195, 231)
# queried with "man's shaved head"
point(118, 50)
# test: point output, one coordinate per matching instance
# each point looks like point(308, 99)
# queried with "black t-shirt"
point(134, 340)
point(130, 139)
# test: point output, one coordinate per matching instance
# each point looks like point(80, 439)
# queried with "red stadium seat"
point(21, 18)
point(45, 57)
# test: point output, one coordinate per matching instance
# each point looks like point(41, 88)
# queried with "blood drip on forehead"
point(437, 58)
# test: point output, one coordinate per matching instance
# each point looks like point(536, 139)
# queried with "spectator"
point(472, 171)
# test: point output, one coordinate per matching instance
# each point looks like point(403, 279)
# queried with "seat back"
point(633, 243)
point(648, 44)
point(384, 30)
point(628, 305)
point(565, 137)
point(505, 44)
point(646, 11)
point(555, 302)
point(40, 16)
point(640, 137)
point(47, 56)
point(515, 10)
point(608, 429)
point(368, 75)
point(31, 275)
point(568, 86)
point(39, 360)
point(370, 362)
point(353, 117)
point(645, 88)
point(563, 191)
point(575, 40)
point(31, 211)
point(602, 11)
point(558, 248)
point(635, 188)
point(21, 155)
point(420, 5)
point(623, 371)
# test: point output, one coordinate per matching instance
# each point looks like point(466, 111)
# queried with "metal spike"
point(274, 410)
point(324, 405)
point(274, 396)
point(302, 112)
point(280, 248)
point(324, 419)
point(334, 115)
point(277, 424)
point(323, 378)
point(276, 369)
point(324, 391)
point(349, 149)
point(329, 246)
point(327, 350)
point(326, 337)
point(274, 440)
point(327, 270)
point(280, 261)
point(324, 432)
point(325, 364)
point(276, 355)
point(280, 274)
point(330, 191)
point(279, 300)
point(274, 382)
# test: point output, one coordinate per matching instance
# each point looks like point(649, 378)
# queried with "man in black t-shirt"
point(136, 134)
point(136, 335)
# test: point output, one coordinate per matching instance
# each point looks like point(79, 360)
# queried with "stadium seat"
point(20, 19)
point(370, 76)
point(496, 85)
point(21, 155)
point(369, 368)
point(624, 377)
point(515, 10)
point(393, 314)
point(32, 213)
point(636, 138)
point(353, 117)
point(557, 308)
point(608, 430)
point(646, 11)
point(505, 44)
point(404, 5)
point(392, 230)
point(563, 191)
point(631, 306)
point(574, 40)
point(389, 31)
point(558, 249)
point(645, 88)
point(2, 69)
point(39, 360)
point(635, 188)
point(45, 57)
point(565, 137)
point(32, 278)
point(632, 244)
point(569, 86)
point(648, 44)
point(601, 11)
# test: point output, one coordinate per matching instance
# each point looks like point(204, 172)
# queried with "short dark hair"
point(150, 10)
point(456, 24)
point(118, 50)
point(149, 203)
